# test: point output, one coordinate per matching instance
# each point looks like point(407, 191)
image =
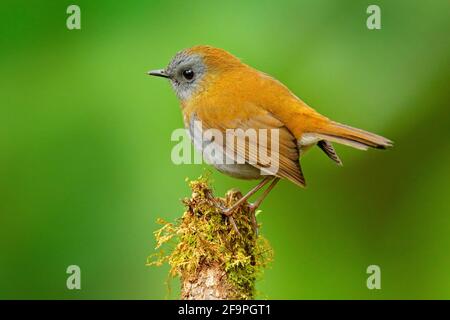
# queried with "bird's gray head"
point(185, 72)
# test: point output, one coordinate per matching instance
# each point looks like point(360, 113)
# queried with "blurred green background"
point(85, 145)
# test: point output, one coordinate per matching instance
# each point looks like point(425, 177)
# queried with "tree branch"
point(211, 259)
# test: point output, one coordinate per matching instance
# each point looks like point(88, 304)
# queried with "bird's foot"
point(252, 210)
point(228, 212)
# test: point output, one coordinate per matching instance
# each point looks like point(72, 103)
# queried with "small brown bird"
point(219, 91)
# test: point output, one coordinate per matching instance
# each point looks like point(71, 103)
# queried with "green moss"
point(204, 236)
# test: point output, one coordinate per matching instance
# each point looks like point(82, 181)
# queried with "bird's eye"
point(188, 74)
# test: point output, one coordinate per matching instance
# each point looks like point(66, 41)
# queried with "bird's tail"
point(353, 137)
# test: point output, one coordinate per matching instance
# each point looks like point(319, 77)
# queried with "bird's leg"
point(257, 203)
point(253, 206)
point(229, 211)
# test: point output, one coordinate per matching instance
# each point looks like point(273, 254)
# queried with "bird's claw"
point(233, 223)
point(252, 209)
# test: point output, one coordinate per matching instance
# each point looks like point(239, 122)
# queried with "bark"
point(210, 283)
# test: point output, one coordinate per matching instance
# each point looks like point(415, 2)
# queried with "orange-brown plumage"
point(234, 95)
point(231, 95)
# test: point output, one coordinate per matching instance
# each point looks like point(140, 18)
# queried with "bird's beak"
point(158, 73)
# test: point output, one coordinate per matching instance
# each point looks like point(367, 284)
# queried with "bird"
point(219, 91)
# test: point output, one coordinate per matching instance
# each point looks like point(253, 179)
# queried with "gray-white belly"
point(240, 171)
point(217, 157)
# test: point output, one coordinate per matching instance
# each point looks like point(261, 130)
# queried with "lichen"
point(204, 236)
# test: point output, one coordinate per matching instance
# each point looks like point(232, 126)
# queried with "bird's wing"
point(258, 152)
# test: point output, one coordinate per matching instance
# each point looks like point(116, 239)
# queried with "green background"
point(85, 165)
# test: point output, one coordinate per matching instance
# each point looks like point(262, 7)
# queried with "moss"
point(204, 236)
